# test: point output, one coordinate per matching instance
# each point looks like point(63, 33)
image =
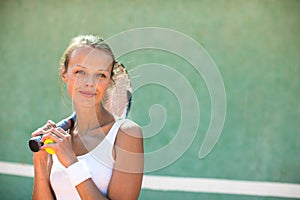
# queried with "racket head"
point(118, 96)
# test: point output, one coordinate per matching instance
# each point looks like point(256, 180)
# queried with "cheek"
point(102, 86)
point(71, 86)
point(105, 84)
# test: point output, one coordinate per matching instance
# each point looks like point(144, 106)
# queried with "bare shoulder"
point(131, 128)
point(129, 149)
point(130, 137)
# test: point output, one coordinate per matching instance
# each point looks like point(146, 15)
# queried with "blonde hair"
point(85, 40)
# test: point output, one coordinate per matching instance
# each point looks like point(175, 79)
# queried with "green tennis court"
point(244, 81)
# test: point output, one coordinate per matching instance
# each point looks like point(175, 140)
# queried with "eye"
point(101, 75)
point(80, 72)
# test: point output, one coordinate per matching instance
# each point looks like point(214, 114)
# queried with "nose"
point(90, 81)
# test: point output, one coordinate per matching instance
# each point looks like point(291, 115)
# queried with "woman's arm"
point(129, 163)
point(42, 162)
point(89, 191)
point(41, 183)
point(62, 146)
point(128, 171)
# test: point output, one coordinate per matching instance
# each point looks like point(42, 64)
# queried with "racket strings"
point(117, 99)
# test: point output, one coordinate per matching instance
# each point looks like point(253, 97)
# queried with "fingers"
point(62, 145)
point(55, 134)
point(50, 124)
point(42, 130)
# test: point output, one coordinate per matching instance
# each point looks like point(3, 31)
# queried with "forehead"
point(89, 56)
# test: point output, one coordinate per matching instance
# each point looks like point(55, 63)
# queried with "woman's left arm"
point(127, 175)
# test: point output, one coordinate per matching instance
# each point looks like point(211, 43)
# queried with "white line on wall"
point(188, 184)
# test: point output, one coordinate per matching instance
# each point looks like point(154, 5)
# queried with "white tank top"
point(99, 162)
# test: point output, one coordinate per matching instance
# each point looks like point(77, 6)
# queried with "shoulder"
point(130, 136)
point(131, 128)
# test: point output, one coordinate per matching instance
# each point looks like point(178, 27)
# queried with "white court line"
point(222, 186)
point(206, 185)
point(17, 169)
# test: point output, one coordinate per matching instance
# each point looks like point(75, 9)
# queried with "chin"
point(86, 103)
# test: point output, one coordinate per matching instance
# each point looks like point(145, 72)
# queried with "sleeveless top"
point(99, 161)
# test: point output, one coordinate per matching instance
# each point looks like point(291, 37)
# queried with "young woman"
point(101, 157)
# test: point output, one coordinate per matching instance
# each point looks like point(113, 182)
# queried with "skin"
point(87, 79)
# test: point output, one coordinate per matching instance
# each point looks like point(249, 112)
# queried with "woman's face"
point(88, 76)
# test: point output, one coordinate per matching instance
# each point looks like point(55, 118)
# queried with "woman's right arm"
point(41, 183)
point(42, 162)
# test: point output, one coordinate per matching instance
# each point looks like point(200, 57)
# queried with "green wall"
point(255, 45)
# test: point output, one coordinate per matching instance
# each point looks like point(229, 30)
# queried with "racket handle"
point(35, 143)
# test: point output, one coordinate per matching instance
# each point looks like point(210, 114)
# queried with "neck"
point(91, 118)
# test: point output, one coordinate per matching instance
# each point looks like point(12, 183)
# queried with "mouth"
point(87, 94)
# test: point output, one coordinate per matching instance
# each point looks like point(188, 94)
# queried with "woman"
point(101, 157)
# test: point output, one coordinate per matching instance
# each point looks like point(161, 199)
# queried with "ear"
point(63, 74)
point(64, 78)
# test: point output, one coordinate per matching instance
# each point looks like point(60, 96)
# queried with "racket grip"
point(35, 143)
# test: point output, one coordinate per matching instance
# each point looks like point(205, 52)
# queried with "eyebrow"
point(78, 65)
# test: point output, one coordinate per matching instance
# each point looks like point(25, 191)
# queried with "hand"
point(41, 131)
point(62, 145)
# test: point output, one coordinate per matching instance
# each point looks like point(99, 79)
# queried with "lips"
point(87, 94)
